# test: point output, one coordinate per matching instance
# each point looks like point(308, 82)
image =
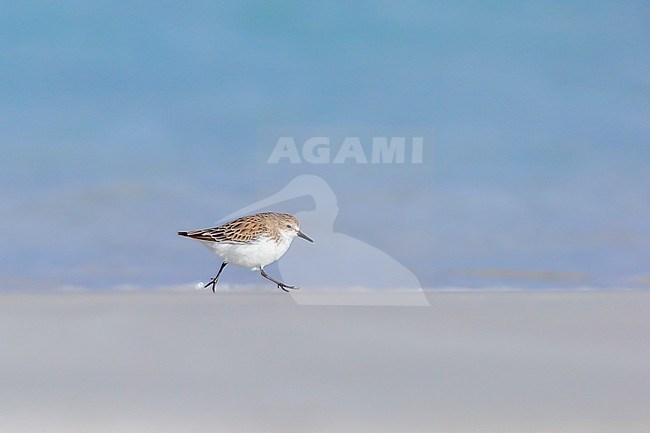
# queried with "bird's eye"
point(288, 226)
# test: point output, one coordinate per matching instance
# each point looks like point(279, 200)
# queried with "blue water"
point(122, 124)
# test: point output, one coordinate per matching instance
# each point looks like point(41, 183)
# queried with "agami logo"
point(322, 150)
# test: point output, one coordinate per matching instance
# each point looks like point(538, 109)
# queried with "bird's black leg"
point(213, 282)
point(280, 284)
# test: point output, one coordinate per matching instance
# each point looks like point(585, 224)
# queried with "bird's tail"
point(182, 233)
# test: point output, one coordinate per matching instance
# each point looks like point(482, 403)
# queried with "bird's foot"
point(213, 283)
point(286, 286)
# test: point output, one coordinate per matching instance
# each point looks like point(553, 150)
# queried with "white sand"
point(258, 362)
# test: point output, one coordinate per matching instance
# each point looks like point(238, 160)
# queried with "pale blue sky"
point(122, 124)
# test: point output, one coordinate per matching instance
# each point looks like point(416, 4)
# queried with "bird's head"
point(290, 226)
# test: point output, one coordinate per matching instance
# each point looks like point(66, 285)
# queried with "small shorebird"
point(252, 242)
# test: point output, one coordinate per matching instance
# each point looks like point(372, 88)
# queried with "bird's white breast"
point(252, 255)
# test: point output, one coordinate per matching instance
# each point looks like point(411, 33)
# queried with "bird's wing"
point(240, 231)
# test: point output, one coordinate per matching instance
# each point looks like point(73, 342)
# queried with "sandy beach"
point(242, 362)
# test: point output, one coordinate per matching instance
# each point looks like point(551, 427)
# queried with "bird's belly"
point(252, 256)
